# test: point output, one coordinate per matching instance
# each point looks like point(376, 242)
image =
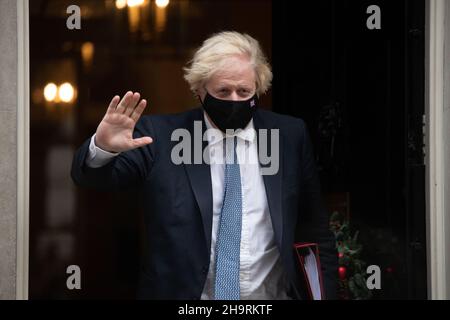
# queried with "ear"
point(200, 93)
point(197, 96)
point(257, 91)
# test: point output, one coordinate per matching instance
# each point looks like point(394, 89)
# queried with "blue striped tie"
point(229, 234)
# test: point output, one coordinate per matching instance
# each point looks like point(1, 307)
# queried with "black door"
point(361, 92)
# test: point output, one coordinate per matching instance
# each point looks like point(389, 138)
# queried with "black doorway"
point(361, 92)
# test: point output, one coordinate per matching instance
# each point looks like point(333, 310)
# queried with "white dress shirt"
point(261, 273)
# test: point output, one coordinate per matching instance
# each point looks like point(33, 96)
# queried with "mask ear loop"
point(198, 96)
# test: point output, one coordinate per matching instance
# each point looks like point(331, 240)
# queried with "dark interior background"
point(141, 49)
point(360, 91)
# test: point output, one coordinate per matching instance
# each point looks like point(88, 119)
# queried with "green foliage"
point(353, 284)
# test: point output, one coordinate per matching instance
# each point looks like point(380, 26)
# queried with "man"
point(216, 229)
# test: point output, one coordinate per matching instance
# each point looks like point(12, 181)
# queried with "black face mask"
point(228, 114)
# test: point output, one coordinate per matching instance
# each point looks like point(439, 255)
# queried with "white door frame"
point(438, 229)
point(23, 149)
point(437, 213)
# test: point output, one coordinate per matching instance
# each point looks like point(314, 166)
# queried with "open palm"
point(115, 131)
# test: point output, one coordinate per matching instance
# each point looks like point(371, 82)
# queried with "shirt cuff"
point(98, 157)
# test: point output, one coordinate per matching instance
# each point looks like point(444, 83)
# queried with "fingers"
point(113, 104)
point(138, 110)
point(127, 105)
point(133, 102)
point(140, 142)
point(121, 107)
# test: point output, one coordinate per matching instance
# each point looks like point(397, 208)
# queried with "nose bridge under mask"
point(229, 114)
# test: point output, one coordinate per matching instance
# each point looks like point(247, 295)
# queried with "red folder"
point(309, 262)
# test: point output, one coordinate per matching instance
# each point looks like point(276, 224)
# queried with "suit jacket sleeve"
point(314, 220)
point(128, 169)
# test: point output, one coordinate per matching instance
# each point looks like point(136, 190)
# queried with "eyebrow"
point(225, 86)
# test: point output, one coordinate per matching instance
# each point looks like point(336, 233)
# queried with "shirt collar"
point(215, 135)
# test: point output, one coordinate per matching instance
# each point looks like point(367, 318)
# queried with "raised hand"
point(115, 131)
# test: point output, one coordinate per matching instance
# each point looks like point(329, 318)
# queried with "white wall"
point(8, 145)
point(14, 126)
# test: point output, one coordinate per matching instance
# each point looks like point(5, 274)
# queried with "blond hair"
point(209, 58)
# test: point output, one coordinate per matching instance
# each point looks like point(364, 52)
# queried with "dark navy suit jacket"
point(178, 204)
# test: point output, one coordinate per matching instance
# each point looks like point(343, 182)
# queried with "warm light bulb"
point(120, 4)
point(87, 52)
point(50, 92)
point(135, 3)
point(66, 92)
point(162, 3)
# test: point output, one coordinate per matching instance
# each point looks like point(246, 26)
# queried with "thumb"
point(140, 142)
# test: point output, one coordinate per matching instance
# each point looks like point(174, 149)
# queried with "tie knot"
point(230, 150)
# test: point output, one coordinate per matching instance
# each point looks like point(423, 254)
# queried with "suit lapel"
point(272, 183)
point(199, 176)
